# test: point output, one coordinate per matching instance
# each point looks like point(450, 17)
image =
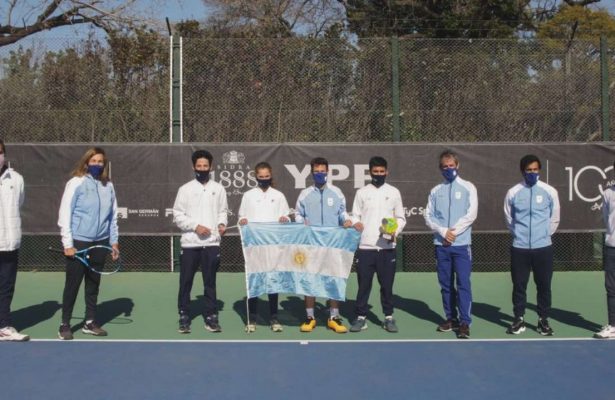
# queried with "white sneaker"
point(607, 332)
point(251, 327)
point(10, 334)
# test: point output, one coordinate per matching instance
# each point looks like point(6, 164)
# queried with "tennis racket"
point(97, 259)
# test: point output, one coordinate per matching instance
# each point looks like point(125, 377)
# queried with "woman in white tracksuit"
point(263, 204)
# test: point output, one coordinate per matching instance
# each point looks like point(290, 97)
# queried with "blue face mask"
point(95, 170)
point(320, 178)
point(201, 176)
point(531, 178)
point(449, 174)
point(264, 183)
point(378, 180)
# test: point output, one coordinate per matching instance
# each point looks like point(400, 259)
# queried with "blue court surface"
point(474, 369)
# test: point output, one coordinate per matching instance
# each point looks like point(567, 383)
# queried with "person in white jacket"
point(11, 199)
point(200, 212)
point(376, 254)
point(263, 204)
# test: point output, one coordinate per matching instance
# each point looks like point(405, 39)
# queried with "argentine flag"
point(298, 258)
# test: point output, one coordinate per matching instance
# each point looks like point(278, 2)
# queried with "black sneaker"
point(184, 323)
point(464, 331)
point(448, 325)
point(389, 325)
point(92, 328)
point(360, 324)
point(543, 327)
point(64, 333)
point(211, 324)
point(517, 327)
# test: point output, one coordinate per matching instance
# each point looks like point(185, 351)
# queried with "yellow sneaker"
point(308, 325)
point(335, 324)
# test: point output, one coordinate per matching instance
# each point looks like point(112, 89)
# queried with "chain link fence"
point(307, 90)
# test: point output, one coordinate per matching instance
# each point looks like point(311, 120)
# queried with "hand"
point(450, 236)
point(70, 252)
point(359, 226)
point(221, 229)
point(347, 223)
point(202, 231)
point(284, 219)
point(116, 251)
point(243, 221)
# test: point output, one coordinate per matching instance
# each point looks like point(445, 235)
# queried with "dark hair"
point(377, 161)
point(319, 161)
point(527, 160)
point(2, 145)
point(447, 154)
point(202, 154)
point(263, 165)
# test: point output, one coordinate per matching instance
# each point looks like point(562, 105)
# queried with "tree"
point(23, 18)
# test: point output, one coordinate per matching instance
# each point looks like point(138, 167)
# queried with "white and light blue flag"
point(297, 258)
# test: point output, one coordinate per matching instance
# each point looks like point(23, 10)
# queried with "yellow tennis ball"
point(389, 225)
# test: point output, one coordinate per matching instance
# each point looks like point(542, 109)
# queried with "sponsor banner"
point(147, 176)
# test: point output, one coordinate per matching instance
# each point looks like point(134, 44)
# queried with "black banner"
point(147, 176)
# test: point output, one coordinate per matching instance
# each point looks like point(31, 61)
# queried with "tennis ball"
point(389, 226)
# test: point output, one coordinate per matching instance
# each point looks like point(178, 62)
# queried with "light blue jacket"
point(88, 211)
point(532, 214)
point(325, 207)
point(452, 205)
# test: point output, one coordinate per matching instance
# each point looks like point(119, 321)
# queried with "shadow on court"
point(115, 311)
point(417, 308)
point(197, 307)
point(32, 315)
point(491, 314)
point(569, 318)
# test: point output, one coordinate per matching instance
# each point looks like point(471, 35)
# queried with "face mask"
point(95, 170)
point(531, 178)
point(201, 176)
point(264, 183)
point(449, 174)
point(320, 178)
point(378, 180)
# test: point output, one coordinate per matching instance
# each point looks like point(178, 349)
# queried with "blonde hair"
point(81, 168)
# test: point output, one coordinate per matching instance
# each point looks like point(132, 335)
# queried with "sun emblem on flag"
point(299, 258)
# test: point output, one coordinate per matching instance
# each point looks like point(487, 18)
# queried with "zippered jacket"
point(452, 205)
point(88, 211)
point(198, 204)
point(325, 207)
point(11, 200)
point(532, 214)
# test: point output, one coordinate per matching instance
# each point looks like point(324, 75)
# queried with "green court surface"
point(143, 306)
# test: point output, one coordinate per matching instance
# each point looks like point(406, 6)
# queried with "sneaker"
point(336, 325)
point(250, 327)
point(212, 325)
point(543, 327)
point(448, 325)
point(389, 325)
point(275, 325)
point(464, 331)
point(184, 323)
point(517, 327)
point(64, 333)
point(308, 325)
point(360, 324)
point(92, 328)
point(10, 334)
point(607, 332)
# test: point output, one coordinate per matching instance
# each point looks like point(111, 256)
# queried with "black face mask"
point(201, 176)
point(378, 180)
point(264, 183)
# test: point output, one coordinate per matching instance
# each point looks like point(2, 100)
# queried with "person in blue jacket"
point(532, 213)
point(451, 209)
point(87, 217)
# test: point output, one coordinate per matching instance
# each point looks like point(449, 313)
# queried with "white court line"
point(317, 341)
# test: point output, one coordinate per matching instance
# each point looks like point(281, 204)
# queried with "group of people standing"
point(88, 216)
